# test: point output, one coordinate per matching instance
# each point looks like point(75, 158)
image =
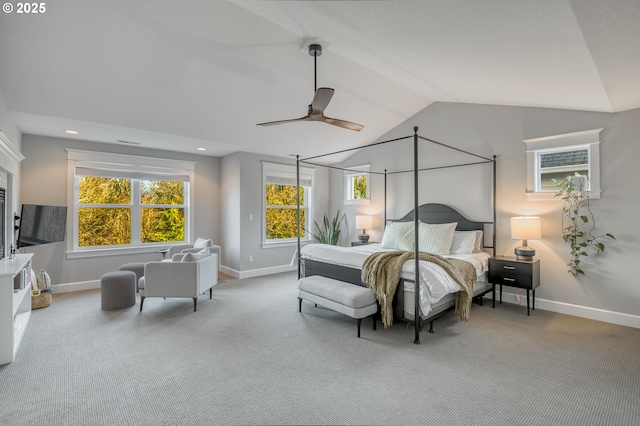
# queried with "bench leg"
point(374, 321)
point(359, 322)
point(299, 305)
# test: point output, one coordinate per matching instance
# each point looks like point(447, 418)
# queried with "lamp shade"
point(526, 228)
point(364, 222)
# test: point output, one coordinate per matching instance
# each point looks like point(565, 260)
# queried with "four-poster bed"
point(408, 300)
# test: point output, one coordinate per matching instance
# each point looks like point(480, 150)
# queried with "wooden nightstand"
point(505, 270)
point(358, 243)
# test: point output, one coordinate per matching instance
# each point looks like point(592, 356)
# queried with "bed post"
point(384, 224)
point(298, 211)
point(493, 196)
point(416, 257)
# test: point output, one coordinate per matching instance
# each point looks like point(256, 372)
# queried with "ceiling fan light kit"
point(320, 101)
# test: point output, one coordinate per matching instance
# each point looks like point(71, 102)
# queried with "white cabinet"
point(15, 304)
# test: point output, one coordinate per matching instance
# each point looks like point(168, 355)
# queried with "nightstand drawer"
point(511, 279)
point(511, 267)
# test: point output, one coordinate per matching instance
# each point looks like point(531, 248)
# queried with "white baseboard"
point(597, 314)
point(79, 286)
point(256, 272)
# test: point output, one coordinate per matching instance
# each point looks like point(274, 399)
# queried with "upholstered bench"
point(348, 299)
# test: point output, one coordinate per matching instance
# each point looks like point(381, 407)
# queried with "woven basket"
point(40, 299)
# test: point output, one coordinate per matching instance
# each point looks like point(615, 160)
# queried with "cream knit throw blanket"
point(381, 272)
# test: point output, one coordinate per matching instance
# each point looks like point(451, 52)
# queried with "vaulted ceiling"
point(182, 75)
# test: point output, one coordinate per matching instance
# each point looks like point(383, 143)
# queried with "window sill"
point(122, 251)
point(281, 244)
point(366, 201)
point(545, 196)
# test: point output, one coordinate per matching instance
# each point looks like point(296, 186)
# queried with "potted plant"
point(578, 222)
point(331, 231)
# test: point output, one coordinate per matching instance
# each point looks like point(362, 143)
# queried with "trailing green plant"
point(578, 222)
point(330, 233)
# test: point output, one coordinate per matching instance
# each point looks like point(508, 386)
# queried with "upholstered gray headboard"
point(440, 213)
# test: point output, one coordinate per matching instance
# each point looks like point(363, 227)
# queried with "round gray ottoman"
point(118, 290)
point(137, 267)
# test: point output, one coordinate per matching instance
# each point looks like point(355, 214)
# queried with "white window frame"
point(129, 166)
point(286, 174)
point(588, 139)
point(349, 175)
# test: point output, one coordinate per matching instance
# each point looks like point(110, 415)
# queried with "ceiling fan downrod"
point(315, 50)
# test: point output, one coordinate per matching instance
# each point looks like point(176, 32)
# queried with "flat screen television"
point(41, 225)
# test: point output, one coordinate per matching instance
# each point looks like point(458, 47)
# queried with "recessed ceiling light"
point(201, 149)
point(71, 132)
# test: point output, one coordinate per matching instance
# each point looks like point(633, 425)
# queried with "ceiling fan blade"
point(342, 123)
point(321, 100)
point(273, 123)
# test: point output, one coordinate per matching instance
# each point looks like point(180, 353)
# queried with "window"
point(280, 203)
point(127, 203)
point(560, 156)
point(356, 185)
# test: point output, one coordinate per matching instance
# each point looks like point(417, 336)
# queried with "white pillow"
point(202, 243)
point(190, 257)
point(464, 242)
point(435, 238)
point(395, 235)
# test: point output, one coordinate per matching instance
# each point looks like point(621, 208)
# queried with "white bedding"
point(435, 283)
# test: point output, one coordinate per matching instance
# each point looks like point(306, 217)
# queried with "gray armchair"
point(189, 277)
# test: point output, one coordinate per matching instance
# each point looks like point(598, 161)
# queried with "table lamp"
point(525, 228)
point(364, 222)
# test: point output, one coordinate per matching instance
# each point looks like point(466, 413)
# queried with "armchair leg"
point(141, 302)
point(195, 303)
point(211, 293)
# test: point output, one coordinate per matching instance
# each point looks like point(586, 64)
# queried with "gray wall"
point(44, 181)
point(609, 283)
point(242, 196)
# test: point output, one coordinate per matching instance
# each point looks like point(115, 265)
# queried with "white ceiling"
point(178, 75)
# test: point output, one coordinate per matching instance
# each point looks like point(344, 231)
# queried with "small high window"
point(357, 185)
point(560, 156)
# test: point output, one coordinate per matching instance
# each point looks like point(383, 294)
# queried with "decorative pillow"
point(43, 280)
point(464, 242)
point(190, 257)
point(395, 235)
point(202, 243)
point(435, 238)
point(479, 242)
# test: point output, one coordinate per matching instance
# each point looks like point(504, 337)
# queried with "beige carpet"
point(249, 357)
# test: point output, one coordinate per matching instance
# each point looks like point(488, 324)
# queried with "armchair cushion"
point(191, 256)
point(202, 243)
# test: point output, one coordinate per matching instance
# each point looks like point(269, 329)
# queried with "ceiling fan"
point(320, 101)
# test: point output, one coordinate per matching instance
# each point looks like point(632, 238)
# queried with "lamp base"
point(525, 253)
point(363, 238)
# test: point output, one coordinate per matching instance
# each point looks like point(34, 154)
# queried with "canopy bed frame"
point(428, 213)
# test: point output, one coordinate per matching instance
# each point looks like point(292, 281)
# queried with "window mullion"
point(136, 213)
